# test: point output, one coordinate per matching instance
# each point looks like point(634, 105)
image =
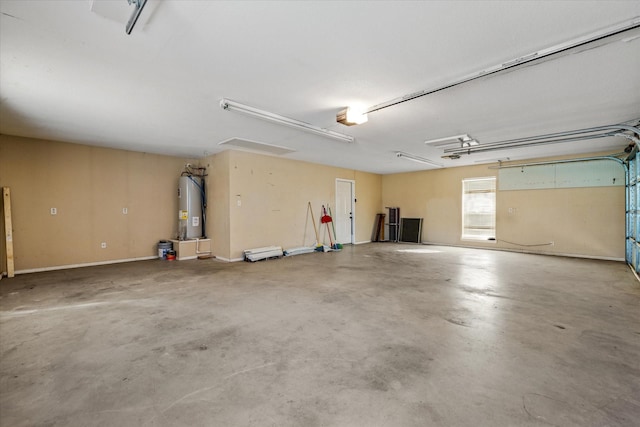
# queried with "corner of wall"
point(218, 202)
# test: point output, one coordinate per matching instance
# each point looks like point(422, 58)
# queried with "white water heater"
point(191, 213)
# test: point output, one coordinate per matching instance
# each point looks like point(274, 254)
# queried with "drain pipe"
point(198, 252)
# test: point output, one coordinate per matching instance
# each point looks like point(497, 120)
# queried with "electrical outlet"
point(553, 243)
point(103, 245)
point(54, 211)
point(125, 211)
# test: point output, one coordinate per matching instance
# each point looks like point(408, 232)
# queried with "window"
point(479, 208)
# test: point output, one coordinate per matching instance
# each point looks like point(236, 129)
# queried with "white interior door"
point(345, 215)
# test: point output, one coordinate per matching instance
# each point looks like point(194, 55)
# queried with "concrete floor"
point(375, 335)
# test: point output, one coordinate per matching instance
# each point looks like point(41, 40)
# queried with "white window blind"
point(479, 208)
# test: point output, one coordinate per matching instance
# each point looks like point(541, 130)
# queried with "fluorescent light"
point(417, 159)
point(350, 117)
point(456, 141)
point(139, 5)
point(468, 143)
point(446, 140)
point(229, 105)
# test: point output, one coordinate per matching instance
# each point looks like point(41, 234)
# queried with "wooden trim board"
point(8, 230)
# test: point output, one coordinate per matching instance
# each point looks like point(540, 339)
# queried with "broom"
point(315, 229)
point(335, 236)
point(326, 219)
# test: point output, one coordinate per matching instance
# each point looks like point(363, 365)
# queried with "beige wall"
point(580, 221)
point(88, 186)
point(218, 203)
point(273, 193)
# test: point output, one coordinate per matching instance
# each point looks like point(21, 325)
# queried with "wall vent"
point(261, 147)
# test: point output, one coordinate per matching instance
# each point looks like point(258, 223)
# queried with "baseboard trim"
point(87, 264)
point(363, 242)
point(524, 251)
point(119, 261)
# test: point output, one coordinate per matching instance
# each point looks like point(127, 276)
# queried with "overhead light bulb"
point(356, 117)
point(350, 117)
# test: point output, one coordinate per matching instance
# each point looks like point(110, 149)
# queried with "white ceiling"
point(69, 72)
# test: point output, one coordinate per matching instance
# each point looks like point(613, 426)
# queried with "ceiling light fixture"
point(229, 105)
point(139, 4)
point(456, 141)
point(350, 117)
point(417, 159)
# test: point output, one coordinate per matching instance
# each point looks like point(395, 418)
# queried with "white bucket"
point(164, 246)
